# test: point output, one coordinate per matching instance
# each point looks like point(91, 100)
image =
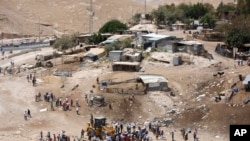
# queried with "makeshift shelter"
point(115, 55)
point(192, 47)
point(132, 57)
point(179, 26)
point(158, 40)
point(153, 82)
point(246, 82)
point(91, 56)
point(126, 66)
point(117, 38)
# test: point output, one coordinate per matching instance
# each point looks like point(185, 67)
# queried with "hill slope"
point(24, 16)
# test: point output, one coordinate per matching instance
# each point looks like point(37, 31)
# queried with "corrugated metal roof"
point(152, 78)
point(120, 51)
point(127, 63)
point(154, 39)
point(153, 35)
point(189, 42)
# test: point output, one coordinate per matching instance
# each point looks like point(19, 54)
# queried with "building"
point(126, 66)
point(126, 55)
point(179, 26)
point(192, 47)
point(117, 38)
point(246, 82)
point(158, 40)
point(91, 57)
point(82, 38)
point(115, 55)
point(153, 82)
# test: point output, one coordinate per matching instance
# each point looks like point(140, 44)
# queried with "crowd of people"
point(31, 78)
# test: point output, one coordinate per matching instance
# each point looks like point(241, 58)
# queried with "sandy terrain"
point(72, 16)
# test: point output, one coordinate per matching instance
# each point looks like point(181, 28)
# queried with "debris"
point(63, 73)
point(76, 86)
point(205, 116)
point(43, 110)
point(246, 100)
point(217, 136)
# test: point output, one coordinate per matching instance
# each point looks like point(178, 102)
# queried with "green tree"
point(225, 10)
point(243, 7)
point(236, 37)
point(112, 26)
point(197, 10)
point(173, 13)
point(223, 28)
point(136, 18)
point(65, 42)
point(149, 17)
point(159, 15)
point(208, 19)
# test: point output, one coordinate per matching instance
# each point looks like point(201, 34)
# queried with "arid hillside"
point(68, 16)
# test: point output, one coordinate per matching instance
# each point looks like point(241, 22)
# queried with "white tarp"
point(246, 80)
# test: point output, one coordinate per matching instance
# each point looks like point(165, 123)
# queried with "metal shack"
point(153, 82)
point(246, 82)
point(158, 40)
point(115, 55)
point(192, 47)
point(126, 66)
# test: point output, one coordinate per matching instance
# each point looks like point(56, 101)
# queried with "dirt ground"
point(193, 105)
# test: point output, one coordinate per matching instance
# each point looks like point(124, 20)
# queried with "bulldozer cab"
point(99, 122)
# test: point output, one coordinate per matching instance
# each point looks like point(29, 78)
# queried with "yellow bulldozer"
point(99, 128)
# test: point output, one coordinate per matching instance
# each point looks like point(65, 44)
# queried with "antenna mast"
point(91, 14)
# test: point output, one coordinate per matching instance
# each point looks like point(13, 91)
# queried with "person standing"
point(82, 133)
point(41, 134)
point(121, 126)
point(28, 78)
point(172, 135)
point(71, 102)
point(195, 134)
point(186, 136)
point(110, 106)
point(149, 126)
point(34, 81)
point(161, 133)
point(97, 80)
point(77, 102)
point(25, 115)
point(77, 110)
point(31, 77)
point(51, 106)
point(28, 112)
point(54, 137)
point(12, 63)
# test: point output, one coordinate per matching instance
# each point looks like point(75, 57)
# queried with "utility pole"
point(145, 7)
point(39, 32)
point(91, 14)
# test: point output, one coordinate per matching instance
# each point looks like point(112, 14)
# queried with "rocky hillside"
point(69, 16)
